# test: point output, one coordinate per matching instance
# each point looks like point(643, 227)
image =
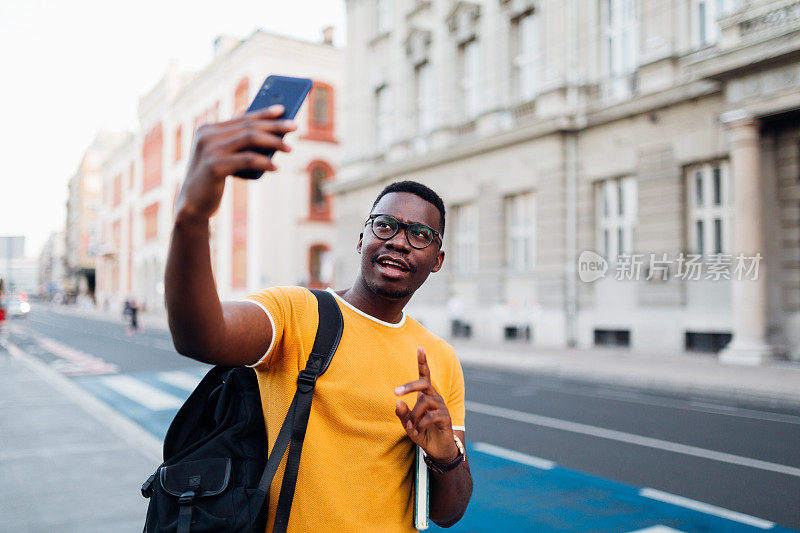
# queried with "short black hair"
point(418, 189)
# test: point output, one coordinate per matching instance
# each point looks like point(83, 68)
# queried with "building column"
point(749, 345)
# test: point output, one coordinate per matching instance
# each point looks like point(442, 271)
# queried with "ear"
point(360, 241)
point(437, 266)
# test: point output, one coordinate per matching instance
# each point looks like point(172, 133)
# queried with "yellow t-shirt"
point(356, 465)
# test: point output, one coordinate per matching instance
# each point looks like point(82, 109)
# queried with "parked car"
point(18, 305)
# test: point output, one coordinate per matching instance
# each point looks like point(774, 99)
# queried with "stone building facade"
point(273, 231)
point(627, 128)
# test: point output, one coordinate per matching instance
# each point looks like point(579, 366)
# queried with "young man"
point(391, 384)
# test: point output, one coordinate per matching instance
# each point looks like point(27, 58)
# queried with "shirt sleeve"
point(276, 302)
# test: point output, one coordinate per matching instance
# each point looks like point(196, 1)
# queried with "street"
point(546, 453)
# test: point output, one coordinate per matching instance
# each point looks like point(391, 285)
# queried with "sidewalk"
point(775, 382)
point(62, 469)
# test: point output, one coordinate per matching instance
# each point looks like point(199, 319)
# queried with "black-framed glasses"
point(418, 235)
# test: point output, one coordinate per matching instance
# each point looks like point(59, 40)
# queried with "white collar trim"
point(365, 315)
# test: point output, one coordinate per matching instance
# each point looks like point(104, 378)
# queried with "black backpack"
point(216, 474)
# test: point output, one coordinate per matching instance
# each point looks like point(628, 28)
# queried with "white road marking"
point(182, 380)
point(513, 455)
point(695, 505)
point(657, 529)
point(142, 393)
point(81, 362)
point(694, 404)
point(630, 438)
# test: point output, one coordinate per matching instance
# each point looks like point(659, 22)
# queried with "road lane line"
point(182, 380)
point(142, 393)
point(630, 438)
point(511, 455)
point(657, 529)
point(683, 405)
point(695, 505)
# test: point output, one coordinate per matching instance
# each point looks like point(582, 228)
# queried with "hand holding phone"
point(284, 90)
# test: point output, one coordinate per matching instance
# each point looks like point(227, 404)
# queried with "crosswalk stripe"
point(142, 393)
point(182, 380)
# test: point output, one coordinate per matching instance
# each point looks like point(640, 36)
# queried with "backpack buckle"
point(186, 498)
point(306, 380)
point(147, 486)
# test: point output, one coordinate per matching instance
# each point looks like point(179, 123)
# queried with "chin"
point(388, 292)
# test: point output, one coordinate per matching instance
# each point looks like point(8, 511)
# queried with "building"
point(630, 128)
point(83, 203)
point(273, 231)
point(52, 267)
point(18, 273)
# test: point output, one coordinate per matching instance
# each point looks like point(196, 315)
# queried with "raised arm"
point(202, 327)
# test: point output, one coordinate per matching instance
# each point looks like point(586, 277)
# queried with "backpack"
point(216, 473)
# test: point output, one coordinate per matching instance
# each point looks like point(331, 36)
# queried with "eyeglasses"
point(418, 235)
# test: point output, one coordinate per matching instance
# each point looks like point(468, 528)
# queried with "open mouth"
point(392, 267)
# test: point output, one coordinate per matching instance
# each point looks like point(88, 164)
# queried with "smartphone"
point(284, 90)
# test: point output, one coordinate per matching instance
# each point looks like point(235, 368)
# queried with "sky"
point(71, 69)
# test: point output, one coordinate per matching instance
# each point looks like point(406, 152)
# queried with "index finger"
point(422, 362)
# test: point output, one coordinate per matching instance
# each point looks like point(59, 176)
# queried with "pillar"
point(749, 345)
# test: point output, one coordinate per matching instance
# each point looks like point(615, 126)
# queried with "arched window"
point(321, 113)
point(319, 202)
point(240, 97)
point(320, 266)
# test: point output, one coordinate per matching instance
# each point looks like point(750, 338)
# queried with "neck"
point(364, 299)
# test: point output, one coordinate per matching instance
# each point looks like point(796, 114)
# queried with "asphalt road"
point(742, 457)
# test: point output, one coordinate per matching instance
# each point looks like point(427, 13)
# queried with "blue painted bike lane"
point(514, 497)
point(513, 492)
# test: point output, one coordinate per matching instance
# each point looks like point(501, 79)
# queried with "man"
point(356, 466)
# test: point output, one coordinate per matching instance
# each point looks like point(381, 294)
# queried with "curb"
point(130, 432)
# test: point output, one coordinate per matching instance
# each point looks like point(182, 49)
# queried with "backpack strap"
point(293, 429)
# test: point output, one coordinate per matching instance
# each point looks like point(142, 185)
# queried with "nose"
point(399, 241)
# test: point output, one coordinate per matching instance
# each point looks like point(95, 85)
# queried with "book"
point(421, 500)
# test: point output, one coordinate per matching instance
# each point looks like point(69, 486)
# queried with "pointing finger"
point(422, 361)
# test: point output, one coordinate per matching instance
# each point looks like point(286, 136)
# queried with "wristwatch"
point(440, 468)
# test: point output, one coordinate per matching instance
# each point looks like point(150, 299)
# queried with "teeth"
point(393, 263)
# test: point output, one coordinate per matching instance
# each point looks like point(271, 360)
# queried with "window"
point(320, 116)
point(521, 232)
point(178, 142)
point(239, 234)
point(621, 36)
point(152, 152)
point(616, 208)
point(426, 98)
point(465, 238)
point(709, 208)
point(319, 205)
point(384, 121)
point(706, 342)
point(150, 215)
point(470, 79)
point(527, 57)
point(117, 191)
point(384, 16)
point(320, 266)
point(705, 14)
point(612, 337)
point(240, 96)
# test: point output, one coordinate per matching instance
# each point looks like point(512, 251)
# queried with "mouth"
point(392, 267)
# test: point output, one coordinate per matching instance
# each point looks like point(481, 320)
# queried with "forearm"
point(449, 494)
point(193, 306)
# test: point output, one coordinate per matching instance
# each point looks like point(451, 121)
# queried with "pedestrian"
point(392, 384)
point(133, 315)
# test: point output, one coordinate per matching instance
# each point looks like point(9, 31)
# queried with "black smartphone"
point(284, 90)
